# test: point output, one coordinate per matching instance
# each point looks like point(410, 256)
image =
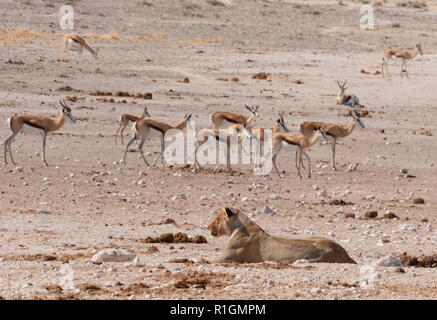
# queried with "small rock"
point(113, 255)
point(42, 211)
point(301, 263)
point(322, 193)
point(179, 197)
point(371, 214)
point(418, 201)
point(403, 171)
point(274, 197)
point(267, 210)
point(389, 261)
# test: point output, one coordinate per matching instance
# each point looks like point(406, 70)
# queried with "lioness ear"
point(229, 212)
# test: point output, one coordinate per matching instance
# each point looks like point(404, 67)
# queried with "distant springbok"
point(400, 54)
point(76, 40)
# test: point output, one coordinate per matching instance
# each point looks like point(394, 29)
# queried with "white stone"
point(301, 263)
point(267, 210)
point(389, 261)
point(274, 197)
point(42, 211)
point(179, 197)
point(113, 255)
point(322, 193)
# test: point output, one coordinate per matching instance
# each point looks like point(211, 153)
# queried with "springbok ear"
point(229, 212)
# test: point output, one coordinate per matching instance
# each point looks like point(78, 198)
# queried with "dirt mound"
point(260, 76)
point(418, 201)
point(202, 280)
point(152, 250)
point(179, 237)
point(340, 202)
point(371, 214)
point(419, 262)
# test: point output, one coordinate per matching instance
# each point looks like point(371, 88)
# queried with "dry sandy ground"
point(151, 46)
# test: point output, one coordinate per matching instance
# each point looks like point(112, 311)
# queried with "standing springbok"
point(298, 142)
point(333, 131)
point(36, 124)
point(144, 127)
point(260, 137)
point(228, 118)
point(124, 121)
point(237, 130)
point(349, 100)
point(400, 54)
point(71, 40)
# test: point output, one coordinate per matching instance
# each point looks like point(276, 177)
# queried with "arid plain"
point(54, 219)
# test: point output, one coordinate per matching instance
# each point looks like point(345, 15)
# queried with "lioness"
point(248, 243)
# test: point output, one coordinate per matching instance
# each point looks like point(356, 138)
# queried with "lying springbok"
point(36, 124)
point(144, 127)
point(349, 100)
point(124, 121)
point(228, 118)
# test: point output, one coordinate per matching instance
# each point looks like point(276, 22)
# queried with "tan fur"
point(142, 130)
point(345, 99)
point(300, 142)
point(334, 131)
point(79, 41)
point(235, 130)
point(248, 243)
point(124, 121)
point(42, 123)
point(401, 54)
point(217, 118)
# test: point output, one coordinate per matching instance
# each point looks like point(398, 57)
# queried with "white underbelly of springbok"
point(26, 129)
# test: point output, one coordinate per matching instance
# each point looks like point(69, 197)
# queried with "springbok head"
point(253, 110)
point(356, 116)
point(342, 88)
point(145, 113)
point(281, 121)
point(419, 47)
point(323, 132)
point(67, 111)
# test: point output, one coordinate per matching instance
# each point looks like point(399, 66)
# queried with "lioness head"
point(222, 224)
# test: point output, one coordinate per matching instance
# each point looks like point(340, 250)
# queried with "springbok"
point(71, 40)
point(36, 124)
point(298, 142)
point(124, 121)
point(144, 127)
point(237, 130)
point(349, 100)
point(400, 54)
point(333, 131)
point(228, 118)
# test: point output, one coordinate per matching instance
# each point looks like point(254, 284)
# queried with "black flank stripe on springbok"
point(32, 124)
point(156, 128)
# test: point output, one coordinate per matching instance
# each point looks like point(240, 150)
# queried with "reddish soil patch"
point(419, 262)
point(340, 202)
point(179, 237)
